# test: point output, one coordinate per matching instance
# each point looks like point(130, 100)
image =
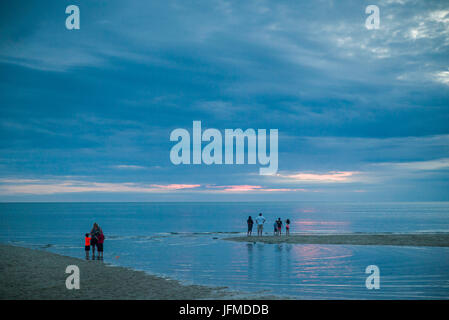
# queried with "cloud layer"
point(356, 109)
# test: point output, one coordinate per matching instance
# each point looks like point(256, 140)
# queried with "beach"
point(378, 239)
point(35, 274)
point(181, 241)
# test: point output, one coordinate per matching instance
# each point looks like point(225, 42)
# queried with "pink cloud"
point(284, 190)
point(128, 166)
point(240, 188)
point(252, 188)
point(176, 186)
point(333, 176)
point(76, 186)
point(54, 186)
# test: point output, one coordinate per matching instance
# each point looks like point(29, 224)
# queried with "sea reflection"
point(287, 264)
point(179, 241)
point(320, 226)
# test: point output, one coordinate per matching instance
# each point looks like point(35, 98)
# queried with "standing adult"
point(100, 245)
point(95, 234)
point(279, 224)
point(250, 223)
point(260, 220)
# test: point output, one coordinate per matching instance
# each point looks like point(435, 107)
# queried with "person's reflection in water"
point(283, 254)
point(278, 259)
point(288, 259)
point(261, 263)
point(250, 247)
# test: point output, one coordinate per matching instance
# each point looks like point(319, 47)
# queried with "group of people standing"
point(260, 220)
point(94, 239)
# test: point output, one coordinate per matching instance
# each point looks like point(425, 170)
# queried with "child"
point(87, 245)
point(100, 245)
point(287, 227)
point(275, 225)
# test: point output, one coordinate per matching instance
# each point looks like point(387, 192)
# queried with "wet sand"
point(34, 274)
point(378, 239)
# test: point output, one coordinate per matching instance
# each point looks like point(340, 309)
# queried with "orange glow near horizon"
point(334, 176)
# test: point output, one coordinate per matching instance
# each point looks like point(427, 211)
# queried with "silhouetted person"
point(250, 223)
point(279, 223)
point(287, 227)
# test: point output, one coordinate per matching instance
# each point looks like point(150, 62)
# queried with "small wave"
point(205, 233)
point(138, 237)
point(169, 234)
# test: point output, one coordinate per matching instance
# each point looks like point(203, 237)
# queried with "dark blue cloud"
point(83, 103)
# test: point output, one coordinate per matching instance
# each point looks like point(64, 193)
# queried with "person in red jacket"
point(87, 239)
point(100, 245)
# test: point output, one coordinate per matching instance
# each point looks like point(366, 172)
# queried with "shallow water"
point(183, 241)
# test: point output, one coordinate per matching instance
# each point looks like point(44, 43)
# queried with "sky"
point(362, 115)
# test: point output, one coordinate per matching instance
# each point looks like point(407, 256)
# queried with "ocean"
point(183, 241)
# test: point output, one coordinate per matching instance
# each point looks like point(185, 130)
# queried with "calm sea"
point(183, 241)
